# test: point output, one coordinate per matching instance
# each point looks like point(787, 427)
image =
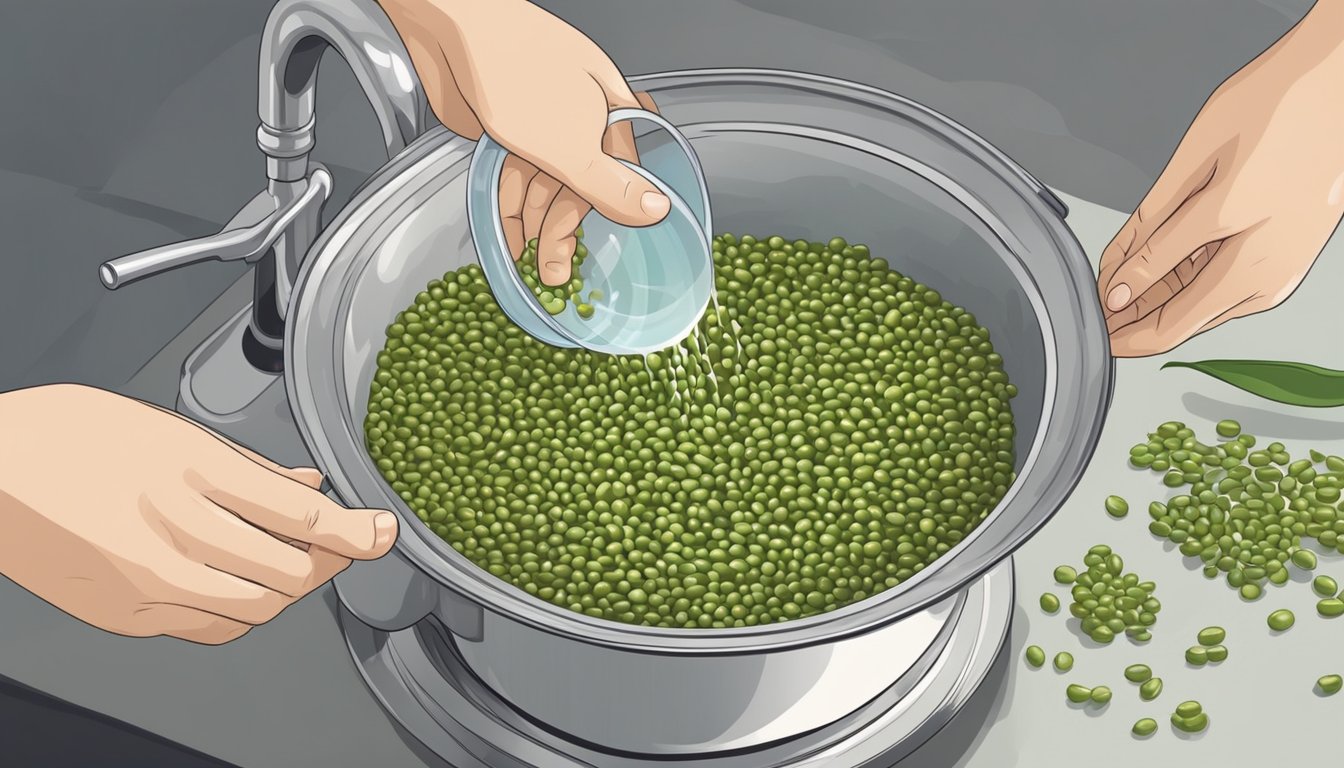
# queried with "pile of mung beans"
point(1106, 600)
point(555, 299)
point(830, 429)
point(1245, 514)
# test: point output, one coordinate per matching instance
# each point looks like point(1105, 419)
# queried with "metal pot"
point(786, 153)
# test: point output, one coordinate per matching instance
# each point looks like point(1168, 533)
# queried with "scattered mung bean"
point(1330, 684)
point(1325, 586)
point(1138, 673)
point(1211, 635)
point(1150, 689)
point(1049, 603)
point(1116, 506)
point(1035, 655)
point(1330, 607)
point(1281, 620)
point(1193, 724)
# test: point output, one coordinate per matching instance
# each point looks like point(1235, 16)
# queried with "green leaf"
point(1301, 384)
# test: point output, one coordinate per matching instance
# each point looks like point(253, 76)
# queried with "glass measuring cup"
point(654, 282)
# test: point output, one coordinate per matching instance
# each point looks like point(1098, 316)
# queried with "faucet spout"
point(297, 33)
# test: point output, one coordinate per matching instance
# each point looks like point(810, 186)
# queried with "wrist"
point(1318, 39)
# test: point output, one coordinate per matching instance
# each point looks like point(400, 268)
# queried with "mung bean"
point(1330, 684)
point(1138, 673)
point(1116, 506)
point(1330, 607)
point(1049, 603)
point(1211, 635)
point(1150, 689)
point(1281, 620)
point(1325, 586)
point(1193, 724)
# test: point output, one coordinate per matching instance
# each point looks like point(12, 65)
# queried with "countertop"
point(288, 694)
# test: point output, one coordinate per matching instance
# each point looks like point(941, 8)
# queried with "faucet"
point(274, 230)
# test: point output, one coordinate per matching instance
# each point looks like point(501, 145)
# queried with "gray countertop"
point(150, 139)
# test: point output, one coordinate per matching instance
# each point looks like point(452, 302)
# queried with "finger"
point(186, 624)
point(213, 536)
point(1188, 229)
point(619, 141)
point(218, 633)
point(1171, 284)
point(555, 246)
point(617, 192)
point(1213, 294)
point(646, 101)
point(514, 180)
point(195, 585)
point(326, 564)
point(284, 507)
point(540, 194)
point(1188, 172)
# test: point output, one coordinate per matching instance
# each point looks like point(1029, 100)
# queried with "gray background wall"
point(126, 124)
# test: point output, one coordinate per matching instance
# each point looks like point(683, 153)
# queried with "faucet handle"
point(252, 231)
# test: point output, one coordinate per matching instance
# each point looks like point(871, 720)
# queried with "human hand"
point(140, 522)
point(543, 91)
point(1245, 205)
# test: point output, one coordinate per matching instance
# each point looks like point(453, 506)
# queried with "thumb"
point(617, 192)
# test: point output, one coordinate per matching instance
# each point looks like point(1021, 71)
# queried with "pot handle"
point(388, 594)
point(391, 594)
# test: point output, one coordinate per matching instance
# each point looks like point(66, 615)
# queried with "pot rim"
point(1084, 400)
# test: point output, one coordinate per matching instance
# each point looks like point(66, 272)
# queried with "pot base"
point(420, 680)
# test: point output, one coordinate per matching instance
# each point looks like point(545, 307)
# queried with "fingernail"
point(1118, 298)
point(655, 204)
point(384, 529)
